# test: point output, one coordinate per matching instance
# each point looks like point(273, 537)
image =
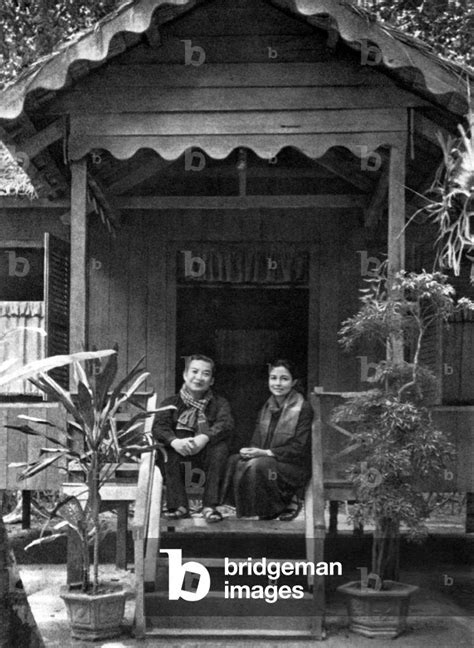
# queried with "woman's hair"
point(289, 366)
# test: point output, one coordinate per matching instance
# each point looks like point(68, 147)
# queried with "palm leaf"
point(50, 387)
point(136, 369)
point(85, 405)
point(105, 379)
point(44, 540)
point(34, 419)
point(131, 390)
point(39, 466)
point(33, 368)
point(26, 429)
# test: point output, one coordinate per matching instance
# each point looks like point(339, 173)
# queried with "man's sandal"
point(292, 510)
point(211, 514)
point(179, 513)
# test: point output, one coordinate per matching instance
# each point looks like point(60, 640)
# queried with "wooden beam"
point(336, 167)
point(38, 203)
point(396, 209)
point(41, 140)
point(373, 213)
point(136, 176)
point(48, 172)
point(429, 130)
point(326, 201)
point(396, 225)
point(78, 309)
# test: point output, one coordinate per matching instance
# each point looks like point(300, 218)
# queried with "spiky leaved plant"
point(450, 200)
point(94, 443)
point(399, 452)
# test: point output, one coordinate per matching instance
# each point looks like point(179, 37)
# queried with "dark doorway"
point(242, 328)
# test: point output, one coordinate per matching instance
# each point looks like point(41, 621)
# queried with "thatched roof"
point(13, 179)
point(406, 57)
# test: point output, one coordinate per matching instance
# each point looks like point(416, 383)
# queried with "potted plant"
point(399, 454)
point(96, 446)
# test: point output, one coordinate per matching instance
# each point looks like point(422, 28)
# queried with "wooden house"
point(227, 174)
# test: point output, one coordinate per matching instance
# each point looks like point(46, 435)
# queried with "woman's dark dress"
point(264, 486)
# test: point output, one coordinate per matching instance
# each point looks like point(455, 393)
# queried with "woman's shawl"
point(287, 422)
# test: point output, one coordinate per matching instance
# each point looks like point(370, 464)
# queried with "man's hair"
point(199, 356)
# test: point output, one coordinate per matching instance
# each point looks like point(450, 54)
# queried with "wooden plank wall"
point(133, 290)
point(17, 447)
point(458, 422)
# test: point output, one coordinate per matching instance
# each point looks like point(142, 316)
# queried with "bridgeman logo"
point(191, 581)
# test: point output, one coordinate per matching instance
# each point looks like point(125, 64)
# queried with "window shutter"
point(56, 297)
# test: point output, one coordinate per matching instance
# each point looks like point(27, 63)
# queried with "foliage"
point(102, 447)
point(444, 24)
point(30, 29)
point(399, 452)
point(402, 313)
point(13, 179)
point(450, 200)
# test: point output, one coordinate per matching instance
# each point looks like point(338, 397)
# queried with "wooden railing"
point(146, 526)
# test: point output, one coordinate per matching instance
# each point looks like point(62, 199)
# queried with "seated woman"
point(268, 475)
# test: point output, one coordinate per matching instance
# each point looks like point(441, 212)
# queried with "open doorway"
point(242, 328)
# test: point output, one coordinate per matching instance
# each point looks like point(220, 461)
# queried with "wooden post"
point(121, 537)
point(396, 210)
point(78, 309)
point(469, 512)
point(333, 513)
point(26, 510)
point(396, 224)
point(319, 529)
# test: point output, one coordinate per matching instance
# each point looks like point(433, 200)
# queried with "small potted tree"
point(400, 455)
point(95, 445)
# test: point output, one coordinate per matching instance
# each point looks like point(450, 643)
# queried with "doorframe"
point(313, 376)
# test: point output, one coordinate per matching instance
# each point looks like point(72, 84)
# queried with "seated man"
point(194, 425)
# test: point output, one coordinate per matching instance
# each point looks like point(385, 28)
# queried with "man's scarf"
point(290, 411)
point(193, 418)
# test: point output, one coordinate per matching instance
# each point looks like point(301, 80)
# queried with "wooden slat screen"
point(56, 294)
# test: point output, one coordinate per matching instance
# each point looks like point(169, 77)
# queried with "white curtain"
point(22, 337)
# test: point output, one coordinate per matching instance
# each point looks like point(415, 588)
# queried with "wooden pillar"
point(319, 529)
point(333, 513)
point(396, 209)
point(26, 510)
point(469, 512)
point(121, 537)
point(78, 308)
point(396, 223)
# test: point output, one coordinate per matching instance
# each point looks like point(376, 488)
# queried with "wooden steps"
point(233, 612)
point(245, 605)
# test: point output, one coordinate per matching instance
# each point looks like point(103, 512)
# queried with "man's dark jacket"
point(218, 414)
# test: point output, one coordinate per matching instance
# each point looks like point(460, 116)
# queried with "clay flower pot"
point(95, 616)
point(378, 613)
